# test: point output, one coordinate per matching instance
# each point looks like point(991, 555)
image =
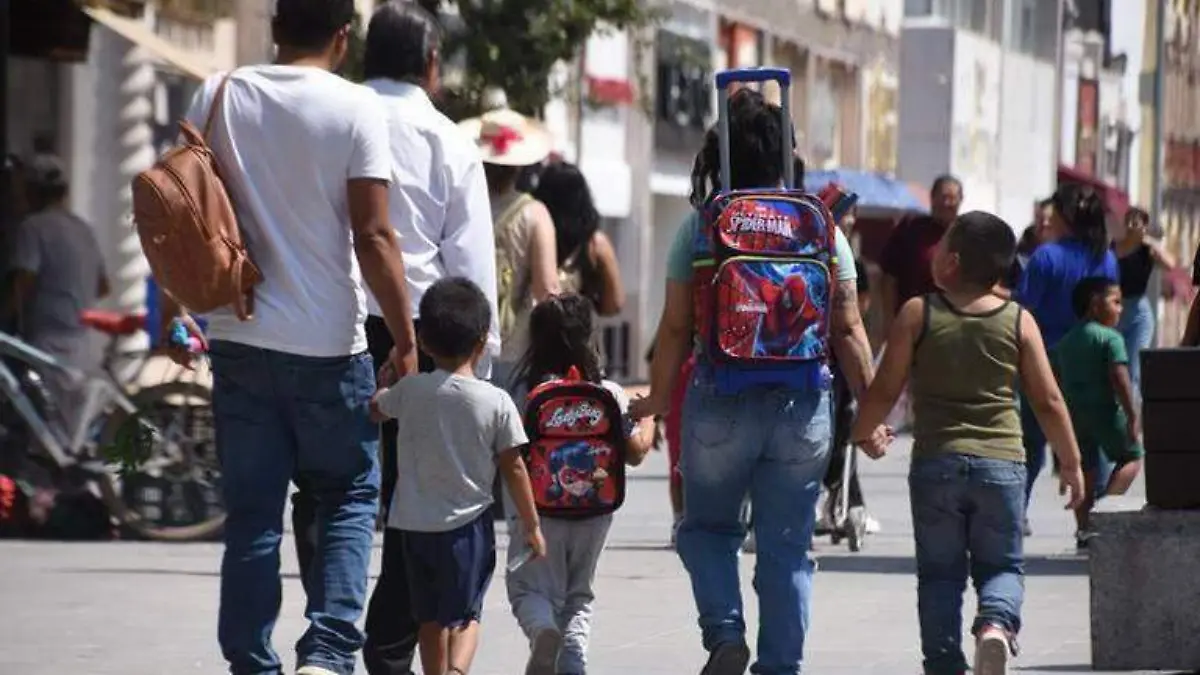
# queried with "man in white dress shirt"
point(440, 208)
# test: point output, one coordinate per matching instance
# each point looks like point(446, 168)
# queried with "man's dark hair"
point(1086, 292)
point(942, 181)
point(985, 246)
point(310, 25)
point(402, 41)
point(756, 136)
point(1046, 203)
point(455, 317)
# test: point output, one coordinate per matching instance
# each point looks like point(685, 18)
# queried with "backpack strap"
point(244, 307)
point(514, 209)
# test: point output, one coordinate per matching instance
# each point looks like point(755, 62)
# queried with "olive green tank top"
point(963, 382)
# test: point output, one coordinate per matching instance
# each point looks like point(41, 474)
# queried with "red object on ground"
point(674, 420)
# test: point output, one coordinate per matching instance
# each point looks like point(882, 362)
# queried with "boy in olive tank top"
point(965, 349)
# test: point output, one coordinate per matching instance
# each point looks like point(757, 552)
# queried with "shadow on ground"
point(1046, 566)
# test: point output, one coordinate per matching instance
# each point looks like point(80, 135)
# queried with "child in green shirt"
point(1093, 373)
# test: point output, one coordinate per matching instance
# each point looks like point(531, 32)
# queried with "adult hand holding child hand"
point(876, 445)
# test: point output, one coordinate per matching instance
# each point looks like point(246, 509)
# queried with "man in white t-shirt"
point(442, 214)
point(305, 157)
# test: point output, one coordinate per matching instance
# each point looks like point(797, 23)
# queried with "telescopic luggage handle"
point(727, 77)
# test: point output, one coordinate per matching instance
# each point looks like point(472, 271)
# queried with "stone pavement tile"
point(148, 609)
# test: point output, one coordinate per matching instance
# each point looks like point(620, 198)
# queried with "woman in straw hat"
point(526, 253)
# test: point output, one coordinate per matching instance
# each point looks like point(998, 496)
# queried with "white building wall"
point(1128, 37)
point(954, 119)
point(1026, 142)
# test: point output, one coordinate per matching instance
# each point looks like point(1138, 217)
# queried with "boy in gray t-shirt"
point(453, 432)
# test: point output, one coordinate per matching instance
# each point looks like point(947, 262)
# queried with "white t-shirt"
point(450, 430)
point(288, 138)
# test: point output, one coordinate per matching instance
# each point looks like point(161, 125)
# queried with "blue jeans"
point(774, 446)
point(279, 418)
point(1137, 327)
point(967, 514)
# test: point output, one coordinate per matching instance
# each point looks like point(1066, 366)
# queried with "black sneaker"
point(729, 658)
point(1081, 541)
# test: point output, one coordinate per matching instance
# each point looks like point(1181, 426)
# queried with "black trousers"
point(391, 629)
point(843, 419)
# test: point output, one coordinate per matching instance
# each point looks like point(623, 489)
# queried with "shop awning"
point(874, 190)
point(1116, 199)
point(143, 36)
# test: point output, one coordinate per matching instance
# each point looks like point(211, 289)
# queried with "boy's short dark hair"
point(402, 43)
point(310, 25)
point(1086, 292)
point(455, 317)
point(985, 245)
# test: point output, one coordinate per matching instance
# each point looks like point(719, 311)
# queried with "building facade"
point(109, 111)
point(957, 57)
point(1180, 216)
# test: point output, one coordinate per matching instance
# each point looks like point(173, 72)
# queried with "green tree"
point(514, 44)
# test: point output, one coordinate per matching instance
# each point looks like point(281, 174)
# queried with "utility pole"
point(1160, 136)
point(1059, 83)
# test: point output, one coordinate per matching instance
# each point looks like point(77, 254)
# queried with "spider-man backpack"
point(576, 451)
point(765, 267)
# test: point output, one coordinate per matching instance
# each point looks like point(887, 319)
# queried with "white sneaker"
point(991, 652)
point(873, 526)
point(314, 670)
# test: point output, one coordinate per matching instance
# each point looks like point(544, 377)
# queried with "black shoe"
point(729, 658)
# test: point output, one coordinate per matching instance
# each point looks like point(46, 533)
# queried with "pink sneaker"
point(991, 651)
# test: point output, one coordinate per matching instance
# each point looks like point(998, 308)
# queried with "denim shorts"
point(449, 572)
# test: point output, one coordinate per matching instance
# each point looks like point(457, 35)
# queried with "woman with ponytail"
point(1048, 282)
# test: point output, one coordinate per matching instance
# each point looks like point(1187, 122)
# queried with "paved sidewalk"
point(150, 609)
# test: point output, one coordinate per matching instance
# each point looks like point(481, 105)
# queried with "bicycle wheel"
point(176, 495)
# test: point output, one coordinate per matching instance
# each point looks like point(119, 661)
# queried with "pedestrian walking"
point(908, 253)
point(457, 430)
point(1094, 372)
point(1048, 283)
point(438, 204)
point(552, 598)
point(526, 263)
point(587, 262)
point(967, 478)
point(1138, 256)
point(56, 271)
point(304, 156)
point(768, 440)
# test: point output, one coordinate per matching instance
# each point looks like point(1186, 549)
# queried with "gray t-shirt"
point(450, 430)
point(63, 252)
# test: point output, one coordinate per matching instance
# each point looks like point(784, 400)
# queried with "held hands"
point(1070, 484)
point(876, 445)
point(647, 406)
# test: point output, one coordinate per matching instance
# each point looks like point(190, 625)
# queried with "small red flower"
point(501, 138)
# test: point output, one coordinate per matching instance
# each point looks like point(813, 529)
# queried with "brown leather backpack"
point(188, 228)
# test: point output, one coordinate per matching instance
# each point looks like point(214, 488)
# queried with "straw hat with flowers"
point(508, 138)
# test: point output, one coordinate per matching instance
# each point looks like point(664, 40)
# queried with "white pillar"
point(135, 144)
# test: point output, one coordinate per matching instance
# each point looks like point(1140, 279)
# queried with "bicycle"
point(174, 494)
